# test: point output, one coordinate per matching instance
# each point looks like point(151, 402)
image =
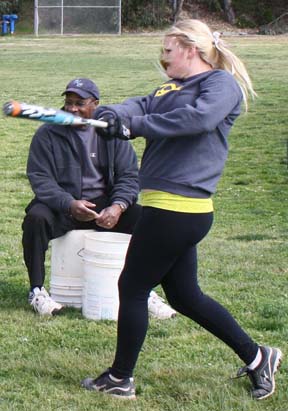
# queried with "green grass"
point(242, 263)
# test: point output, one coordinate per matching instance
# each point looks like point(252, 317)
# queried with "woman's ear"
point(192, 51)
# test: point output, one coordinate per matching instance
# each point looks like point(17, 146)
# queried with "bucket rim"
point(105, 237)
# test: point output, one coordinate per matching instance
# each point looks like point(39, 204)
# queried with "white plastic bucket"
point(67, 271)
point(104, 257)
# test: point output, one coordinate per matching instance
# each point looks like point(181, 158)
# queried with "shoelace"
point(242, 372)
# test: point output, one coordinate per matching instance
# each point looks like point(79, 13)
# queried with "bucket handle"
point(80, 251)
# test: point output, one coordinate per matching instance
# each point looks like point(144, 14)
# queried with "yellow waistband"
point(175, 202)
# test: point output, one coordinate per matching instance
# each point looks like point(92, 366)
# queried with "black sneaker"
point(262, 377)
point(105, 383)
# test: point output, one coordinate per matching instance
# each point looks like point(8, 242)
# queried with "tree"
point(9, 7)
point(177, 6)
point(229, 12)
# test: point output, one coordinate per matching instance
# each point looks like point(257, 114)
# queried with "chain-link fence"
point(77, 16)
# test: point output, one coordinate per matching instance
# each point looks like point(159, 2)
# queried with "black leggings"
point(163, 251)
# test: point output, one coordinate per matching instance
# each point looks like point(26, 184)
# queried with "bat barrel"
point(28, 111)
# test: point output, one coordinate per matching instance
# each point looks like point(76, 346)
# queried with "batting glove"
point(116, 128)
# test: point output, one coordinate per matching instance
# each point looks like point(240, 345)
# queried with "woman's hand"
point(116, 127)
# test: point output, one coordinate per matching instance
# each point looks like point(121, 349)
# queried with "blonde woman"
point(185, 122)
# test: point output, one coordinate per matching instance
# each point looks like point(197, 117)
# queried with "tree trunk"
point(177, 6)
point(229, 12)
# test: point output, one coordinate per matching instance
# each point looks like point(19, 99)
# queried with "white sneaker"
point(43, 304)
point(158, 309)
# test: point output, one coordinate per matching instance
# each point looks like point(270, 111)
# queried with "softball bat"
point(47, 115)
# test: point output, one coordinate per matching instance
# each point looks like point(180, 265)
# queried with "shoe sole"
point(57, 311)
point(277, 365)
point(121, 397)
point(90, 387)
point(53, 313)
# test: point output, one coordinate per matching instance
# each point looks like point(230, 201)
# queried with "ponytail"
point(213, 51)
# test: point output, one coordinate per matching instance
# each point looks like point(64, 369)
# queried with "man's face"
point(82, 107)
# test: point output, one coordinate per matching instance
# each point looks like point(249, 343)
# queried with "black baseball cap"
point(84, 87)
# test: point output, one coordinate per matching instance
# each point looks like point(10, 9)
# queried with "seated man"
point(80, 181)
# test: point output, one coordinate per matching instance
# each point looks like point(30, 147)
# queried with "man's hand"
point(109, 216)
point(81, 210)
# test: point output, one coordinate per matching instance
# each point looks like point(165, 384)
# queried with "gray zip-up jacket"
point(54, 168)
point(186, 124)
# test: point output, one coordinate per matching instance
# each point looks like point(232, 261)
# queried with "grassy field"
point(242, 263)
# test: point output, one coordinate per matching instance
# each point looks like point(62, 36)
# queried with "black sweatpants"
point(163, 251)
point(41, 225)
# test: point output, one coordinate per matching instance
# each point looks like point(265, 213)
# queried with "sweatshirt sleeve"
point(218, 96)
point(135, 106)
point(125, 186)
point(41, 172)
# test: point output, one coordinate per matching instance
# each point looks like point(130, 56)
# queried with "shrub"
point(145, 13)
point(9, 7)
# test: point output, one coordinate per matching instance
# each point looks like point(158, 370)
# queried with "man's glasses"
point(79, 103)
